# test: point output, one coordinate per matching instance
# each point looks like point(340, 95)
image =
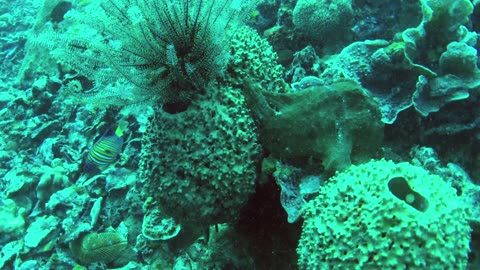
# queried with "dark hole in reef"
point(180, 174)
point(84, 81)
point(458, 190)
point(175, 107)
point(402, 190)
point(390, 245)
point(59, 11)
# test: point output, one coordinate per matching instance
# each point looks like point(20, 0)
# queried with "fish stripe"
point(105, 151)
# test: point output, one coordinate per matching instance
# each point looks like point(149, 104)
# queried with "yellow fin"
point(122, 125)
point(119, 131)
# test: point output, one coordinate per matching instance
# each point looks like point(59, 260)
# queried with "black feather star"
point(170, 49)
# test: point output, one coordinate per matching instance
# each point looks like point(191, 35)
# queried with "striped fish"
point(105, 151)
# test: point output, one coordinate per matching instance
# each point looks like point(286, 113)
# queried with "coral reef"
point(383, 19)
point(156, 226)
point(381, 68)
point(304, 63)
point(296, 187)
point(12, 219)
point(397, 73)
point(9, 251)
point(454, 175)
point(39, 229)
point(459, 59)
point(223, 247)
point(366, 216)
point(16, 19)
point(223, 161)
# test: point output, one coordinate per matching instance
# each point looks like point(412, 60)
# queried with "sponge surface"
point(382, 215)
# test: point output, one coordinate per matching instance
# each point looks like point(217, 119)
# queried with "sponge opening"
point(400, 188)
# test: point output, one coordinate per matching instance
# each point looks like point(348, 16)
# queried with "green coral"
point(441, 24)
point(156, 226)
point(382, 215)
point(459, 59)
point(12, 219)
point(39, 230)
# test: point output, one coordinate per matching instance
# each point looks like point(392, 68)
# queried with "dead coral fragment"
point(98, 247)
point(337, 124)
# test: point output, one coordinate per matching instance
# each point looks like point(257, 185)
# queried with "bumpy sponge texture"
point(200, 165)
point(322, 18)
point(382, 215)
point(254, 58)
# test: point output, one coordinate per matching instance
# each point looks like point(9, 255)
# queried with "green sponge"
point(382, 215)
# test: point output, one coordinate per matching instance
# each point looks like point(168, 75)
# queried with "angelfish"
point(105, 151)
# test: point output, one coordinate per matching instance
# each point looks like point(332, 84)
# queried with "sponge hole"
point(399, 187)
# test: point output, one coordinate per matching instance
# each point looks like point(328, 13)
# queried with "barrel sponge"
point(319, 19)
point(382, 215)
point(199, 166)
point(254, 58)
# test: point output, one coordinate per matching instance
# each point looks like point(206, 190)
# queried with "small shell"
point(98, 247)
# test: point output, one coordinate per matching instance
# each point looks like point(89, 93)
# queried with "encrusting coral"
point(323, 18)
point(12, 219)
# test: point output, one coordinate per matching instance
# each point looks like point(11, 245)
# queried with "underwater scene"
point(239, 134)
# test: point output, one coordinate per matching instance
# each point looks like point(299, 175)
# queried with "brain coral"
point(382, 215)
point(199, 166)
